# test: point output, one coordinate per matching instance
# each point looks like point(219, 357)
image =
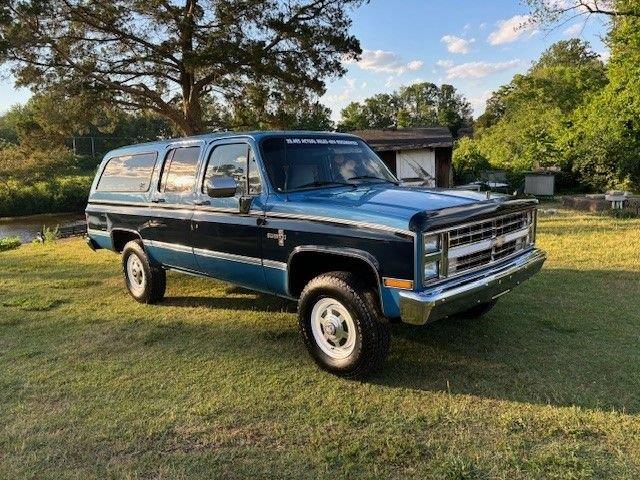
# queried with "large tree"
point(169, 57)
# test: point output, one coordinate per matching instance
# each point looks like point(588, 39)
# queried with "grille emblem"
point(498, 242)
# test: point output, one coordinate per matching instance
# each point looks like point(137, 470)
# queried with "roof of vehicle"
point(255, 135)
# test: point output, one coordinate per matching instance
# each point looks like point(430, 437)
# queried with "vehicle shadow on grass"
point(248, 300)
point(565, 338)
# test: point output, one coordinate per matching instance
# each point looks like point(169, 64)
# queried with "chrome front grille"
point(476, 245)
point(488, 229)
point(481, 243)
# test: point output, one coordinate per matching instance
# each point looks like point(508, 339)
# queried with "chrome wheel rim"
point(135, 274)
point(333, 328)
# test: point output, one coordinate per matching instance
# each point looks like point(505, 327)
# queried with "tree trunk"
point(192, 111)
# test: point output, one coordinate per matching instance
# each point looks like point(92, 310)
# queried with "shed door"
point(417, 165)
point(443, 167)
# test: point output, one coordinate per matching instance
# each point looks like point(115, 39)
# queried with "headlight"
point(431, 270)
point(431, 243)
point(432, 256)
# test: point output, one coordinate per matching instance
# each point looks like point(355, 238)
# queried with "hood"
point(388, 205)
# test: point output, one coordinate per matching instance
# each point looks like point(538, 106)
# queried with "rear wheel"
point(145, 280)
point(341, 325)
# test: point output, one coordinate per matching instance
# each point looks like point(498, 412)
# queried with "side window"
point(127, 173)
point(231, 161)
point(180, 168)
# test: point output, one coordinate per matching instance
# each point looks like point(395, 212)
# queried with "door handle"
point(201, 202)
point(158, 200)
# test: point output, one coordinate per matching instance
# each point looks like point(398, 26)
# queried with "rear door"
point(226, 242)
point(168, 234)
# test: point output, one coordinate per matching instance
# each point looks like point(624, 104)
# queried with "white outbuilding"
point(414, 155)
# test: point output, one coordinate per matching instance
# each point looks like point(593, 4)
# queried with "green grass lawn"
point(215, 383)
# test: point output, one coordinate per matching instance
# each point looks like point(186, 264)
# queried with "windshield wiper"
point(324, 184)
point(372, 177)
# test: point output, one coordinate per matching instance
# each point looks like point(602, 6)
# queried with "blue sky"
point(474, 45)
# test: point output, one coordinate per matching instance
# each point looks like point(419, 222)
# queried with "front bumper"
point(418, 308)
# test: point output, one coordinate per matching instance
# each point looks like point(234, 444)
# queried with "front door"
point(167, 233)
point(226, 243)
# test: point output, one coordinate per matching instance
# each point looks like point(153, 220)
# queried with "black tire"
point(152, 288)
point(477, 311)
point(372, 332)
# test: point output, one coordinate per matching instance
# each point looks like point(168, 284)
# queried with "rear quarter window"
point(128, 173)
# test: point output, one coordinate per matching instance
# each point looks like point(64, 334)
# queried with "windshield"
point(298, 163)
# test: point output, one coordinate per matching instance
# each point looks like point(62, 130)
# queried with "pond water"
point(28, 227)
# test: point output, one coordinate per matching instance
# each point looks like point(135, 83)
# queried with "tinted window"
point(128, 173)
point(297, 163)
point(180, 168)
point(231, 161)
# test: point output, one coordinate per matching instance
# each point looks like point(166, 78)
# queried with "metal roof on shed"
point(389, 139)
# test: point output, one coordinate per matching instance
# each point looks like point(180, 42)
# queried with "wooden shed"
point(414, 154)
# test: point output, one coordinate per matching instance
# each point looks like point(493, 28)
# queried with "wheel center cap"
point(331, 329)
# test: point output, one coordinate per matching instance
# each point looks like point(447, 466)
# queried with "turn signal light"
point(398, 283)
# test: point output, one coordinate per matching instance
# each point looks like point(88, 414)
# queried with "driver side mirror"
point(221, 187)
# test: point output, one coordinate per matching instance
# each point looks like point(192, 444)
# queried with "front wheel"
point(341, 325)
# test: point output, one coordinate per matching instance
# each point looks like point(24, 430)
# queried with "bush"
point(9, 243)
point(19, 162)
point(65, 194)
point(468, 161)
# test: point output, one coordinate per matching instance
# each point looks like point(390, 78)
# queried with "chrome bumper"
point(418, 308)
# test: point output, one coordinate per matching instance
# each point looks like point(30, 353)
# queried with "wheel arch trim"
point(123, 230)
point(357, 254)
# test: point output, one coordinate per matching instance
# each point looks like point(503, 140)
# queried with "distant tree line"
point(422, 104)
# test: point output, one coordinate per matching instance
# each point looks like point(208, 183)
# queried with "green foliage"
point(49, 120)
point(529, 122)
point(419, 105)
point(50, 234)
point(60, 194)
point(604, 143)
point(9, 243)
point(262, 108)
point(170, 57)
point(468, 161)
point(27, 164)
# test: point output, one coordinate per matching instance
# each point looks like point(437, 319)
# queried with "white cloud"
point(483, 25)
point(457, 44)
point(478, 69)
point(605, 55)
point(574, 30)
point(444, 63)
point(380, 61)
point(512, 29)
point(351, 82)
